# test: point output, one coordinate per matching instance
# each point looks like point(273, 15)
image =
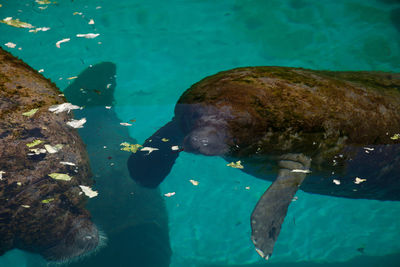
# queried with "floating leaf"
point(88, 35)
point(19, 183)
point(236, 165)
point(88, 191)
point(10, 45)
point(72, 78)
point(34, 143)
point(170, 194)
point(77, 123)
point(130, 147)
point(43, 2)
point(67, 163)
point(46, 201)
point(125, 124)
point(336, 182)
point(16, 23)
point(63, 107)
point(37, 151)
point(300, 171)
point(43, 29)
point(91, 22)
point(62, 41)
point(25, 206)
point(175, 147)
point(53, 149)
point(395, 137)
point(194, 182)
point(359, 180)
point(30, 112)
point(164, 139)
point(149, 149)
point(60, 176)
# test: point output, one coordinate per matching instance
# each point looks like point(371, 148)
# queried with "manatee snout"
point(84, 237)
point(207, 140)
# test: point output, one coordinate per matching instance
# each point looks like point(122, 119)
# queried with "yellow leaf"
point(130, 147)
point(395, 137)
point(60, 176)
point(30, 112)
point(34, 143)
point(16, 23)
point(45, 201)
point(236, 165)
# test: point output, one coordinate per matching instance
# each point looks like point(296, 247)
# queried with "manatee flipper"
point(150, 169)
point(271, 209)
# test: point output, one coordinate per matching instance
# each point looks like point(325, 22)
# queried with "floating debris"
point(108, 107)
point(149, 149)
point(63, 107)
point(10, 45)
point(88, 191)
point(34, 143)
point(194, 182)
point(295, 198)
point(62, 41)
point(72, 78)
point(25, 206)
point(77, 123)
point(16, 23)
point(300, 171)
point(41, 70)
point(359, 180)
point(247, 187)
point(53, 149)
point(369, 148)
point(336, 182)
point(165, 139)
point(130, 147)
point(19, 183)
point(170, 194)
point(125, 124)
point(88, 35)
point(46, 201)
point(395, 137)
point(67, 163)
point(31, 112)
point(77, 13)
point(1, 175)
point(91, 22)
point(60, 176)
point(175, 147)
point(236, 165)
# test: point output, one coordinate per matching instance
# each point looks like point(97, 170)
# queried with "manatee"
point(325, 132)
point(39, 212)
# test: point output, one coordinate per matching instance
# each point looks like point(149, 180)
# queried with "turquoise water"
point(160, 48)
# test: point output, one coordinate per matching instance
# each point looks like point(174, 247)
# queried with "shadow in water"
point(133, 218)
point(392, 260)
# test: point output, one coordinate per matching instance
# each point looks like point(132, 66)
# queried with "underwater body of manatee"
point(43, 164)
point(302, 125)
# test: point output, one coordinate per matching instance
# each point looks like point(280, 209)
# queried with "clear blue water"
point(160, 49)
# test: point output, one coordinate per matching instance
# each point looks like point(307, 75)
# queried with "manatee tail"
point(150, 169)
point(271, 209)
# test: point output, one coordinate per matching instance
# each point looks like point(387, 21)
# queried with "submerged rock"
point(43, 161)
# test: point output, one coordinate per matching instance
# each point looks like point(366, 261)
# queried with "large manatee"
point(340, 129)
point(43, 164)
